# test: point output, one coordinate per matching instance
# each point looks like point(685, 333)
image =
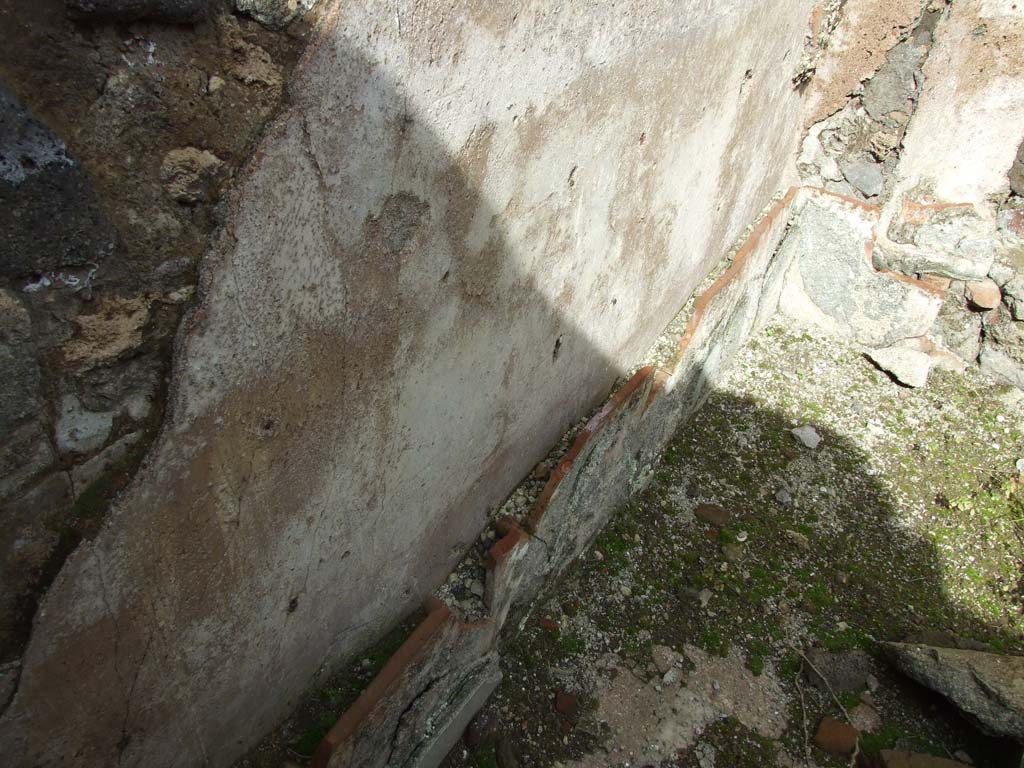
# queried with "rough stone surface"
point(956, 241)
point(174, 11)
point(973, 71)
point(807, 435)
point(856, 51)
point(19, 398)
point(80, 430)
point(984, 294)
point(986, 686)
point(956, 327)
point(109, 458)
point(832, 284)
point(865, 718)
point(865, 175)
point(908, 366)
point(275, 14)
point(1002, 351)
point(191, 175)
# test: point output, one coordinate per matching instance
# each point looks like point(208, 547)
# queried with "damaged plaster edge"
point(649, 384)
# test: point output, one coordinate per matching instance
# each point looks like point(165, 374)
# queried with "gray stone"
point(173, 11)
point(1002, 351)
point(889, 96)
point(957, 328)
point(988, 687)
point(50, 216)
point(1001, 273)
point(1013, 296)
point(807, 435)
point(191, 175)
point(664, 658)
point(908, 366)
point(865, 718)
point(865, 175)
point(81, 431)
point(833, 285)
point(954, 241)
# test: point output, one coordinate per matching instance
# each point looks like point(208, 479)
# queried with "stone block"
point(951, 240)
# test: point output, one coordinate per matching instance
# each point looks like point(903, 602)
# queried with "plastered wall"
point(471, 219)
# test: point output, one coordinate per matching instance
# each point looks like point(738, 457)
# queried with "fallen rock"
point(807, 435)
point(567, 705)
point(664, 658)
point(940, 638)
point(899, 758)
point(909, 367)
point(984, 294)
point(865, 718)
point(865, 176)
point(836, 737)
point(843, 671)
point(173, 11)
point(988, 687)
point(275, 14)
point(713, 514)
point(191, 175)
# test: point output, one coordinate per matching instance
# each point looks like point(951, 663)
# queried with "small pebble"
point(807, 435)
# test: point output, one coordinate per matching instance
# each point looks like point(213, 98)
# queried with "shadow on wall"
point(828, 558)
point(370, 368)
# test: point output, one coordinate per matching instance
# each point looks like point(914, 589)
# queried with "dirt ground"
point(691, 632)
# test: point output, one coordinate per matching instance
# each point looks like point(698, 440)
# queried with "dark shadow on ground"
point(816, 552)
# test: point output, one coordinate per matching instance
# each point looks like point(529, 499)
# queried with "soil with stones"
point(751, 636)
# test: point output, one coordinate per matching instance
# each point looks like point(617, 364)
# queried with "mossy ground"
point(907, 518)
